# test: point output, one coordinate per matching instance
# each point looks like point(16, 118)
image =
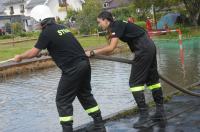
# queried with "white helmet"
point(41, 12)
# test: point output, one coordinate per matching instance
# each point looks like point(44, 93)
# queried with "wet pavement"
point(183, 114)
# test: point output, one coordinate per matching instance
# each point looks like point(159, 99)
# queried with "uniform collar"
point(111, 24)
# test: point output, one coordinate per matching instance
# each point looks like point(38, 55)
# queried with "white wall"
point(75, 4)
point(56, 10)
point(16, 8)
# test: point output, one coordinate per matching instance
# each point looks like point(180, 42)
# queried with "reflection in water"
point(27, 102)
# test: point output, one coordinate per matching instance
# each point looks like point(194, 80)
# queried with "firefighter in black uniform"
point(70, 57)
point(144, 67)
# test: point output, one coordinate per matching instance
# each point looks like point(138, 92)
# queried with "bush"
point(86, 19)
point(9, 36)
point(16, 27)
point(141, 24)
point(28, 34)
point(21, 34)
point(74, 31)
point(124, 13)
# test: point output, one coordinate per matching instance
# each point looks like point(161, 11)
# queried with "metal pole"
point(154, 16)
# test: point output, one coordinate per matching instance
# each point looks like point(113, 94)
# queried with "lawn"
point(8, 51)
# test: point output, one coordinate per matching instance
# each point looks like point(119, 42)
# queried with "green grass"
point(15, 39)
point(9, 51)
point(94, 41)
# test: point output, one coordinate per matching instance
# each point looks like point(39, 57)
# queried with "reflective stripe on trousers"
point(137, 88)
point(93, 109)
point(66, 118)
point(141, 88)
point(154, 86)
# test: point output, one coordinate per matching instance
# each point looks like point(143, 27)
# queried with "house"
point(14, 7)
point(7, 14)
point(112, 4)
point(23, 7)
point(19, 10)
point(76, 4)
point(2, 7)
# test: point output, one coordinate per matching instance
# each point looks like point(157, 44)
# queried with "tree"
point(123, 13)
point(193, 7)
point(86, 18)
point(144, 6)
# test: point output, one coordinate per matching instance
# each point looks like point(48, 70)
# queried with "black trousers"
point(144, 67)
point(75, 82)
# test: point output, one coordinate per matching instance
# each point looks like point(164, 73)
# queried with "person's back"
point(61, 44)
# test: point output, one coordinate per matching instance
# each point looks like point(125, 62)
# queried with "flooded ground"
point(27, 102)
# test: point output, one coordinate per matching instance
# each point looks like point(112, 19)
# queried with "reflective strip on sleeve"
point(155, 86)
point(66, 119)
point(92, 110)
point(137, 88)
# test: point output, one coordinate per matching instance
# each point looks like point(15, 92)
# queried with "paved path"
point(183, 113)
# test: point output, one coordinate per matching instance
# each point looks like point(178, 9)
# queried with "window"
point(106, 5)
point(62, 3)
point(21, 8)
point(11, 10)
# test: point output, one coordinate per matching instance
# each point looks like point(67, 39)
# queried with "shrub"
point(74, 31)
point(9, 36)
point(141, 24)
point(28, 34)
point(16, 27)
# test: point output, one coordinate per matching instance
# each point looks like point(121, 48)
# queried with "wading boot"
point(158, 99)
point(67, 128)
point(159, 114)
point(143, 109)
point(144, 116)
point(98, 125)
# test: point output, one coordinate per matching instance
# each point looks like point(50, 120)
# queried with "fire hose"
point(165, 79)
point(122, 60)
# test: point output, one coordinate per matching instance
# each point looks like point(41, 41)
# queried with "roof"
point(8, 2)
point(32, 3)
point(2, 7)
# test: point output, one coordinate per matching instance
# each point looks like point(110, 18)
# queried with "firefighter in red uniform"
point(148, 24)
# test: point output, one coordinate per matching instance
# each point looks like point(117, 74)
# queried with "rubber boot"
point(144, 116)
point(158, 99)
point(143, 109)
point(98, 124)
point(67, 128)
point(159, 114)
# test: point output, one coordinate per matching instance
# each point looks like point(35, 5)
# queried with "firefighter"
point(148, 24)
point(144, 66)
point(70, 57)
